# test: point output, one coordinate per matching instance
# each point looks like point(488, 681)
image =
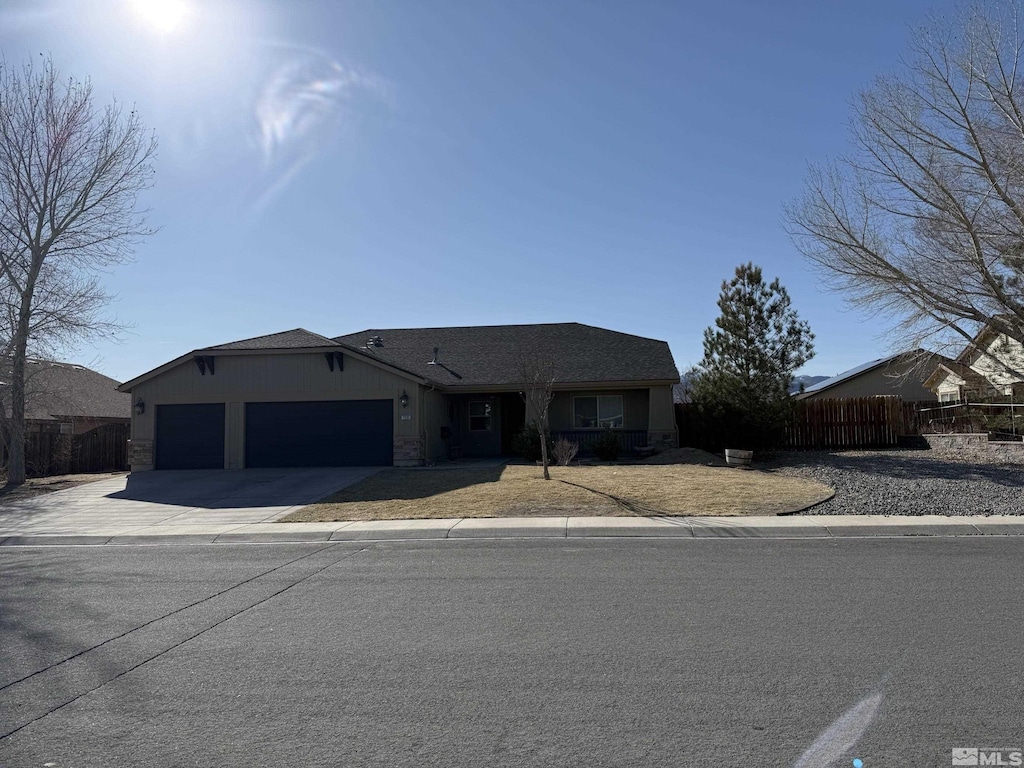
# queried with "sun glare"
point(163, 16)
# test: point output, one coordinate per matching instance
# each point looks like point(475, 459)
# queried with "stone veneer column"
point(409, 451)
point(662, 439)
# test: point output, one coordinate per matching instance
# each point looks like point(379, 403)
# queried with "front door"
point(513, 419)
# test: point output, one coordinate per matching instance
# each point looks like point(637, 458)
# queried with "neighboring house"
point(67, 398)
point(903, 374)
point(991, 365)
point(394, 396)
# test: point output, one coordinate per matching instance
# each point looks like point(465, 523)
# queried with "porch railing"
point(628, 438)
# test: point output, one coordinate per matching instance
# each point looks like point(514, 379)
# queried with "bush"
point(526, 443)
point(565, 451)
point(722, 415)
point(607, 447)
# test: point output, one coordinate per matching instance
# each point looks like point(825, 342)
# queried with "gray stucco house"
point(394, 396)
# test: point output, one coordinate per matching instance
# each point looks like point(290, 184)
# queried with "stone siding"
point(664, 440)
point(409, 451)
point(976, 447)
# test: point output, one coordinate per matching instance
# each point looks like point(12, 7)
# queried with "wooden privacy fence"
point(103, 449)
point(856, 422)
point(852, 422)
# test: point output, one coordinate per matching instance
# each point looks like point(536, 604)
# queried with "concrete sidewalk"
point(810, 527)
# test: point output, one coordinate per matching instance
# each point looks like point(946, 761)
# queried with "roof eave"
point(557, 386)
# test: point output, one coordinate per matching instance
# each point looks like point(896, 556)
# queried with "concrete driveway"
point(175, 502)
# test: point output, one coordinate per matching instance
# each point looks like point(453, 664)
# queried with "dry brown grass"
point(520, 491)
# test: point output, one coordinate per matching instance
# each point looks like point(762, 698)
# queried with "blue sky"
point(344, 165)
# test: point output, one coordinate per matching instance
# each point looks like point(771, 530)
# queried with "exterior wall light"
point(140, 406)
point(404, 399)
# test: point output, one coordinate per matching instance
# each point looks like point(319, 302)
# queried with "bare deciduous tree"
point(537, 372)
point(923, 221)
point(70, 178)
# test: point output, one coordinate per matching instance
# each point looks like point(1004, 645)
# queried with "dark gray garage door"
point(349, 433)
point(190, 436)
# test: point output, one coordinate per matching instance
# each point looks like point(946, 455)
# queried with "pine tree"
point(758, 342)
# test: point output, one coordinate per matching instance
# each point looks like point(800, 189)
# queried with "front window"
point(480, 416)
point(599, 412)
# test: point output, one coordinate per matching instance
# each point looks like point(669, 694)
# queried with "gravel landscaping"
point(905, 483)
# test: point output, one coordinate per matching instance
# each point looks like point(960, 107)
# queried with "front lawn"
point(521, 491)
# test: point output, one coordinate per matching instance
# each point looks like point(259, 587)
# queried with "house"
point(902, 374)
point(66, 398)
point(394, 396)
point(991, 365)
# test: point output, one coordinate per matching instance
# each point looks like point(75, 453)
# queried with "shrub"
point(606, 447)
point(565, 451)
point(526, 443)
point(723, 415)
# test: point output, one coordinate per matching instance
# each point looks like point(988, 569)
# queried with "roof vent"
point(434, 361)
point(375, 341)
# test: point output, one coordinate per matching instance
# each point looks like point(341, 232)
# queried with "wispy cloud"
point(300, 108)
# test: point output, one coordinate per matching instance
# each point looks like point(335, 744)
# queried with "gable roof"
point(297, 338)
point(55, 390)
point(968, 375)
point(976, 344)
point(489, 356)
point(284, 342)
point(984, 335)
point(861, 370)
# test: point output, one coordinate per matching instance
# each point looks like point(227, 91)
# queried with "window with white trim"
point(479, 416)
point(598, 412)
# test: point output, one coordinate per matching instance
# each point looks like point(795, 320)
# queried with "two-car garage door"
point(335, 433)
point(332, 433)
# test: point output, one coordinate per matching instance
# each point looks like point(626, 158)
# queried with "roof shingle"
point(54, 390)
point(490, 355)
point(297, 338)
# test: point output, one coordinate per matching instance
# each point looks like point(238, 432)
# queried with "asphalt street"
point(718, 652)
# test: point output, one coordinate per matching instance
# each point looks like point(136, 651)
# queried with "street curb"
point(952, 529)
point(607, 528)
point(55, 540)
point(284, 536)
point(510, 528)
point(146, 539)
point(761, 532)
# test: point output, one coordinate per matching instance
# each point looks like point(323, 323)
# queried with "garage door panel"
point(190, 436)
point(336, 433)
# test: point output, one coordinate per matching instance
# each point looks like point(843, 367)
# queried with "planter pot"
point(736, 458)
